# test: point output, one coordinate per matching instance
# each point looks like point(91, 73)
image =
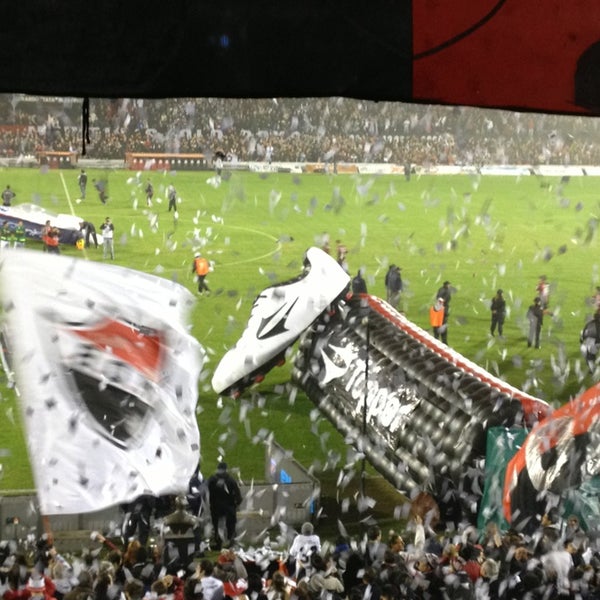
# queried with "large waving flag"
point(107, 372)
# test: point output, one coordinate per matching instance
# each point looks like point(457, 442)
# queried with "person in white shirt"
point(306, 543)
point(212, 588)
point(108, 231)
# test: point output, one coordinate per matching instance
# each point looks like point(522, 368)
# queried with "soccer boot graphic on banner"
point(279, 315)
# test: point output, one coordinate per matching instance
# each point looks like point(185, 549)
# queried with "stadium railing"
point(151, 161)
point(58, 159)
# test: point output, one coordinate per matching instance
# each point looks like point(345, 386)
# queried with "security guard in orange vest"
point(201, 267)
point(436, 320)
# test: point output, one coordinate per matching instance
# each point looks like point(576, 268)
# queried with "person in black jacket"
point(535, 316)
point(590, 341)
point(445, 293)
point(359, 285)
point(89, 231)
point(498, 308)
point(393, 285)
point(224, 497)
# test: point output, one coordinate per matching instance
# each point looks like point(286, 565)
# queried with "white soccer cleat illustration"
point(279, 315)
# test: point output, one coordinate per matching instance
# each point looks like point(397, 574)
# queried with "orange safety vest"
point(201, 265)
point(436, 317)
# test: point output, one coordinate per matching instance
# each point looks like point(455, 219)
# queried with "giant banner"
point(107, 374)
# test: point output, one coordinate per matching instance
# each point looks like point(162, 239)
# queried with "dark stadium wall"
point(526, 55)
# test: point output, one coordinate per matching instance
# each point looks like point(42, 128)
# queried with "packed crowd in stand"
point(557, 559)
point(297, 130)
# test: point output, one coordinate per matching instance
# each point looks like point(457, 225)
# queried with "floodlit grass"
point(479, 233)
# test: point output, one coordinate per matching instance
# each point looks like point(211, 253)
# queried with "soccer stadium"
point(379, 423)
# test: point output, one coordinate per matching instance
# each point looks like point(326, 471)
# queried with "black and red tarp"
point(560, 454)
point(519, 54)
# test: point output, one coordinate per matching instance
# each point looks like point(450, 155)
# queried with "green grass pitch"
point(480, 233)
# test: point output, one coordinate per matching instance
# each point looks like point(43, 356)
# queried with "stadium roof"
point(519, 54)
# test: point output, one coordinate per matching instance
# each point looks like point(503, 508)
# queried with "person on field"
point(200, 268)
point(89, 231)
point(53, 241)
point(590, 341)
point(20, 235)
point(535, 316)
point(542, 289)
point(45, 232)
point(100, 187)
point(595, 300)
point(393, 285)
point(172, 197)
point(108, 233)
point(359, 285)
point(82, 179)
point(6, 235)
point(498, 308)
point(445, 293)
point(8, 196)
point(149, 189)
point(437, 320)
point(342, 254)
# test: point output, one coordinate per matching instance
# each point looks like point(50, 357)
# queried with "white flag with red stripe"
point(107, 374)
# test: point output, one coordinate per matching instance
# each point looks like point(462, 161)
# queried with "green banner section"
point(501, 445)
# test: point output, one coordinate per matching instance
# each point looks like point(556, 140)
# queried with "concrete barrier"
point(289, 494)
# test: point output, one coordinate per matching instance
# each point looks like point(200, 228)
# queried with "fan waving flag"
point(107, 373)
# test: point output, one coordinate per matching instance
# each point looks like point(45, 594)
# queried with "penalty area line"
point(64, 184)
point(68, 196)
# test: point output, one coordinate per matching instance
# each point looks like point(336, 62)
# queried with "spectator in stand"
point(304, 545)
point(375, 548)
point(138, 514)
point(212, 588)
point(278, 588)
point(324, 579)
point(40, 587)
point(197, 497)
point(368, 588)
point(15, 589)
